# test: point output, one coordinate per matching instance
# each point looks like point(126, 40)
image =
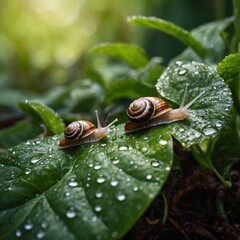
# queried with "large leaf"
point(228, 68)
point(18, 133)
point(209, 114)
point(95, 191)
point(132, 54)
point(171, 29)
point(210, 36)
point(43, 114)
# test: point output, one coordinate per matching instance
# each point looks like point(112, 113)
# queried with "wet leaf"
point(171, 29)
point(228, 68)
point(132, 54)
point(95, 191)
point(209, 114)
point(43, 114)
point(210, 37)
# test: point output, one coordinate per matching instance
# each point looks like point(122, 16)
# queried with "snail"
point(80, 132)
point(146, 112)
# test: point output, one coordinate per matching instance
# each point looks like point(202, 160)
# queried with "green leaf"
point(127, 88)
point(210, 37)
point(171, 29)
point(132, 54)
point(41, 113)
point(209, 114)
point(95, 191)
point(228, 68)
point(226, 151)
point(18, 133)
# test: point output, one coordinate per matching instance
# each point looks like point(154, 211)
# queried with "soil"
point(199, 206)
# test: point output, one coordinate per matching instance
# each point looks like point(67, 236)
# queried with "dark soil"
point(199, 207)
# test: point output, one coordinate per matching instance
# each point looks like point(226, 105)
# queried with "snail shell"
point(80, 132)
point(146, 112)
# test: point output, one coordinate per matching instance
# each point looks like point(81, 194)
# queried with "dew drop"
point(35, 160)
point(101, 179)
point(163, 142)
point(144, 149)
point(98, 208)
point(120, 197)
point(72, 183)
point(167, 168)
point(71, 213)
point(41, 234)
point(115, 161)
point(28, 226)
point(27, 171)
point(18, 233)
point(97, 166)
point(98, 194)
point(123, 148)
point(149, 176)
point(182, 72)
point(114, 183)
point(135, 188)
point(209, 131)
point(155, 164)
point(218, 124)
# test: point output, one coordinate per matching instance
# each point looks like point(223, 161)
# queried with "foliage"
point(99, 190)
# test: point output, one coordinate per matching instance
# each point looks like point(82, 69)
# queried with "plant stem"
point(207, 159)
point(165, 211)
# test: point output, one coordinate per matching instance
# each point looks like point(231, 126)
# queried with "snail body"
point(83, 131)
point(151, 111)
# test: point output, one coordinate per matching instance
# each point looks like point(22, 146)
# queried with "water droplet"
point(209, 131)
point(18, 233)
point(44, 224)
point(41, 234)
point(72, 182)
point(149, 176)
point(218, 124)
point(98, 208)
point(115, 160)
point(114, 183)
point(144, 149)
point(27, 171)
point(123, 148)
point(97, 166)
point(71, 213)
point(167, 168)
point(182, 72)
point(155, 164)
point(101, 179)
point(120, 197)
point(135, 188)
point(28, 226)
point(163, 142)
point(35, 160)
point(98, 194)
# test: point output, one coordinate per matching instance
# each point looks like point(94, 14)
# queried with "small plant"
point(100, 190)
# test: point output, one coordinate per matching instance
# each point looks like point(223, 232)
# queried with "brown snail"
point(146, 112)
point(80, 132)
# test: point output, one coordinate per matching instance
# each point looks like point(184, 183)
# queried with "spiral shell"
point(143, 109)
point(78, 129)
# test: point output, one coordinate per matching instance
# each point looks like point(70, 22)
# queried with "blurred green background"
point(45, 43)
point(44, 48)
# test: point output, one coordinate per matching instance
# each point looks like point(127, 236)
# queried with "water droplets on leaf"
point(182, 72)
point(18, 233)
point(28, 226)
point(148, 176)
point(98, 194)
point(114, 183)
point(120, 197)
point(209, 130)
point(123, 148)
point(40, 234)
point(101, 179)
point(155, 164)
point(71, 213)
point(98, 208)
point(72, 182)
point(115, 160)
point(163, 142)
